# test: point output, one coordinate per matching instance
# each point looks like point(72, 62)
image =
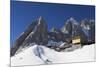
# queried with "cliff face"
point(37, 33)
point(21, 38)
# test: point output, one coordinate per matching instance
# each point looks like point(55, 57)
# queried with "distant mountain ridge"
point(38, 33)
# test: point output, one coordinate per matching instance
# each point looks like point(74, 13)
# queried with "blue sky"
point(55, 15)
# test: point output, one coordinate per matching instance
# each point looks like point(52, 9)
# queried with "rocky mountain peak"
point(37, 33)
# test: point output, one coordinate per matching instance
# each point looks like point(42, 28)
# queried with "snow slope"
point(27, 57)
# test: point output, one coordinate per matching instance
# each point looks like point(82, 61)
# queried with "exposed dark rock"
point(36, 32)
point(92, 31)
point(39, 34)
point(58, 39)
point(71, 29)
point(56, 35)
point(88, 32)
point(22, 37)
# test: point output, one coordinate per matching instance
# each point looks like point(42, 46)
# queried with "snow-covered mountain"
point(88, 29)
point(35, 33)
point(36, 45)
point(27, 56)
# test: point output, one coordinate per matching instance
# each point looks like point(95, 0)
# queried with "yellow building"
point(76, 40)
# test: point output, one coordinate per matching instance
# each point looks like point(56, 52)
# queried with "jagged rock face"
point(36, 33)
point(71, 28)
point(39, 35)
point(21, 38)
point(85, 30)
point(67, 28)
point(56, 35)
point(43, 32)
point(88, 31)
point(92, 25)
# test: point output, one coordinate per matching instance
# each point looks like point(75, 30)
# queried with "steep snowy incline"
point(27, 56)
